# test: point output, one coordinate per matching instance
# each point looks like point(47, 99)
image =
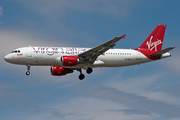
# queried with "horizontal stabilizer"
point(162, 51)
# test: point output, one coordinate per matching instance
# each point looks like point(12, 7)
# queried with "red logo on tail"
point(153, 45)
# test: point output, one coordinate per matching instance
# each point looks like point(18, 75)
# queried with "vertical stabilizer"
point(155, 39)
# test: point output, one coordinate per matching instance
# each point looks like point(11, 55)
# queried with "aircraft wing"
point(92, 54)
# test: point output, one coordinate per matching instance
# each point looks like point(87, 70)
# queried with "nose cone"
point(8, 58)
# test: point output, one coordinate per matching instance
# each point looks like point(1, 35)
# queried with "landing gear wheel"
point(89, 70)
point(27, 73)
point(81, 76)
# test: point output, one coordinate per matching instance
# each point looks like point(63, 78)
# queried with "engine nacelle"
point(60, 71)
point(69, 60)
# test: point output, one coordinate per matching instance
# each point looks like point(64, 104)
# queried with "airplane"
point(64, 60)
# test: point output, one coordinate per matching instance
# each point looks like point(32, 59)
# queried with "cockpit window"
point(16, 51)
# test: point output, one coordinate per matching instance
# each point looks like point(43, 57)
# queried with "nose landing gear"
point(28, 72)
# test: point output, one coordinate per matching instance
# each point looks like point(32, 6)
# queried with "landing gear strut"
point(81, 76)
point(28, 72)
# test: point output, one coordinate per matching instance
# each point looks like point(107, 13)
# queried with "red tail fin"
point(155, 40)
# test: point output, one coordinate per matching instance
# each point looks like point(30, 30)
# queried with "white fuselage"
point(50, 56)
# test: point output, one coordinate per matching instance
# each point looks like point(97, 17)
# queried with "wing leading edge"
point(91, 55)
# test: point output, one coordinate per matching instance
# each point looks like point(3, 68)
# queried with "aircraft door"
point(29, 51)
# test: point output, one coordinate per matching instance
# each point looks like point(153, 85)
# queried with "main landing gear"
point(82, 76)
point(28, 72)
point(89, 70)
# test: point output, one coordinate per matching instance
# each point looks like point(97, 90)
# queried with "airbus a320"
point(64, 60)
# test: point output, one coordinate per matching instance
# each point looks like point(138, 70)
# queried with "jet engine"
point(60, 71)
point(69, 60)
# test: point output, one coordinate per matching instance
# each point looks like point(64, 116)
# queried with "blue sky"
point(148, 91)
